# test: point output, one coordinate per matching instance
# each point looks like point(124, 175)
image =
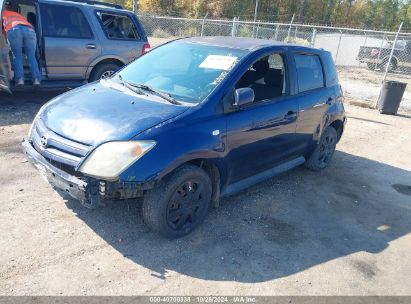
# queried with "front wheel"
point(179, 203)
point(323, 153)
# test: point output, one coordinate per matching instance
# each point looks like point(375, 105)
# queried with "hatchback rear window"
point(309, 72)
point(118, 26)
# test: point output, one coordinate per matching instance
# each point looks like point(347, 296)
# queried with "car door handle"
point(91, 46)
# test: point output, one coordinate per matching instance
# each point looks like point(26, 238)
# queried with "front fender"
point(178, 142)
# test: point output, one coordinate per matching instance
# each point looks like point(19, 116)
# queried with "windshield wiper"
point(133, 86)
point(150, 89)
point(129, 85)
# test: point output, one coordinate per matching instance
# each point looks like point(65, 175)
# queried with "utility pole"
point(302, 11)
point(387, 67)
point(255, 16)
point(289, 29)
point(135, 6)
point(391, 53)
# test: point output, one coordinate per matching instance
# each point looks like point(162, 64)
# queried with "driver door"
point(4, 58)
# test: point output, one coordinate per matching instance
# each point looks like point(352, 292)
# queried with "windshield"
point(185, 71)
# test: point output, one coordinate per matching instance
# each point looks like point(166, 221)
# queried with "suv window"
point(64, 21)
point(118, 26)
point(266, 77)
point(309, 72)
point(29, 11)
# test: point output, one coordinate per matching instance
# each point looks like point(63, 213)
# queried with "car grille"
point(59, 151)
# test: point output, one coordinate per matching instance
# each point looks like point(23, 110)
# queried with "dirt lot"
point(362, 84)
point(344, 231)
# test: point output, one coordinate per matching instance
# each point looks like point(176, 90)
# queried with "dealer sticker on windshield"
point(218, 62)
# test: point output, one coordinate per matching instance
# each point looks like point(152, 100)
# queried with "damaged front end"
point(58, 160)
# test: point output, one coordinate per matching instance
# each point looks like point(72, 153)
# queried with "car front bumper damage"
point(90, 192)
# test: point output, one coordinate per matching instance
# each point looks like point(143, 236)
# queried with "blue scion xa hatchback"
point(189, 122)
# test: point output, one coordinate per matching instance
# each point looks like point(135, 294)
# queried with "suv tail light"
point(374, 52)
point(146, 48)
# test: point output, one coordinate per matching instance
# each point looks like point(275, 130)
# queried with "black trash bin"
point(390, 97)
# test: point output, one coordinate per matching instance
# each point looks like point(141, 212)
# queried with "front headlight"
point(112, 158)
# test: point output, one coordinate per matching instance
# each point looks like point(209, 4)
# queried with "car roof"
point(249, 44)
point(86, 3)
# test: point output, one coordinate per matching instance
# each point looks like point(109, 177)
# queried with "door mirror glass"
point(243, 96)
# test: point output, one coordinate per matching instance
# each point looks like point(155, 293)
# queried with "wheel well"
point(214, 174)
point(108, 60)
point(338, 125)
point(393, 59)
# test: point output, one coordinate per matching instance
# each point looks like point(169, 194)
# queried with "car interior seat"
point(272, 86)
point(260, 68)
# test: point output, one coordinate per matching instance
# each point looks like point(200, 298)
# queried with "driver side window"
point(266, 77)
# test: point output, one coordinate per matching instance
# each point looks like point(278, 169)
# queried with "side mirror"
point(243, 96)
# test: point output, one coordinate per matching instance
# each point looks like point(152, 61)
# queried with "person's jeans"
point(23, 36)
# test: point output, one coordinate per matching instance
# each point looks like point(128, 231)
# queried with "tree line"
point(370, 14)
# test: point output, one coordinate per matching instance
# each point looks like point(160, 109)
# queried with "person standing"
point(21, 34)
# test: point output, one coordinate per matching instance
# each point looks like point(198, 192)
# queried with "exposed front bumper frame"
point(59, 179)
point(87, 191)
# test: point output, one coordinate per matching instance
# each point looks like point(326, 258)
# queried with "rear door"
point(314, 97)
point(69, 42)
point(4, 58)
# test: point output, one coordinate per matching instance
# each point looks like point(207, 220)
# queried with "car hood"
point(105, 111)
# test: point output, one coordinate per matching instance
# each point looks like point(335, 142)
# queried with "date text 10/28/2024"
point(206, 299)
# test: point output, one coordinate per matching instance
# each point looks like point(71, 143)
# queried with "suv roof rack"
point(92, 2)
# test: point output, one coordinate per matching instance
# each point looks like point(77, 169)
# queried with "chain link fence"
point(361, 56)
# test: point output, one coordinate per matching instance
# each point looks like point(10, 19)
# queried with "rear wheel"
point(392, 65)
point(104, 70)
point(179, 203)
point(323, 153)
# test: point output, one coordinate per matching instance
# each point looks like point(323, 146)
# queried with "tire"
point(179, 203)
point(101, 69)
point(392, 66)
point(324, 151)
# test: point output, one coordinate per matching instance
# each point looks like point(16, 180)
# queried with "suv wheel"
point(323, 153)
point(103, 71)
point(179, 203)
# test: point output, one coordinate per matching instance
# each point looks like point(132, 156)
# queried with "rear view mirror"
point(243, 97)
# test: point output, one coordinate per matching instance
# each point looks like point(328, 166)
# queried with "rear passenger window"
point(309, 72)
point(331, 71)
point(64, 21)
point(118, 26)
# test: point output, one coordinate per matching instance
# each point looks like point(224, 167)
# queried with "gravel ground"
point(344, 231)
point(362, 84)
